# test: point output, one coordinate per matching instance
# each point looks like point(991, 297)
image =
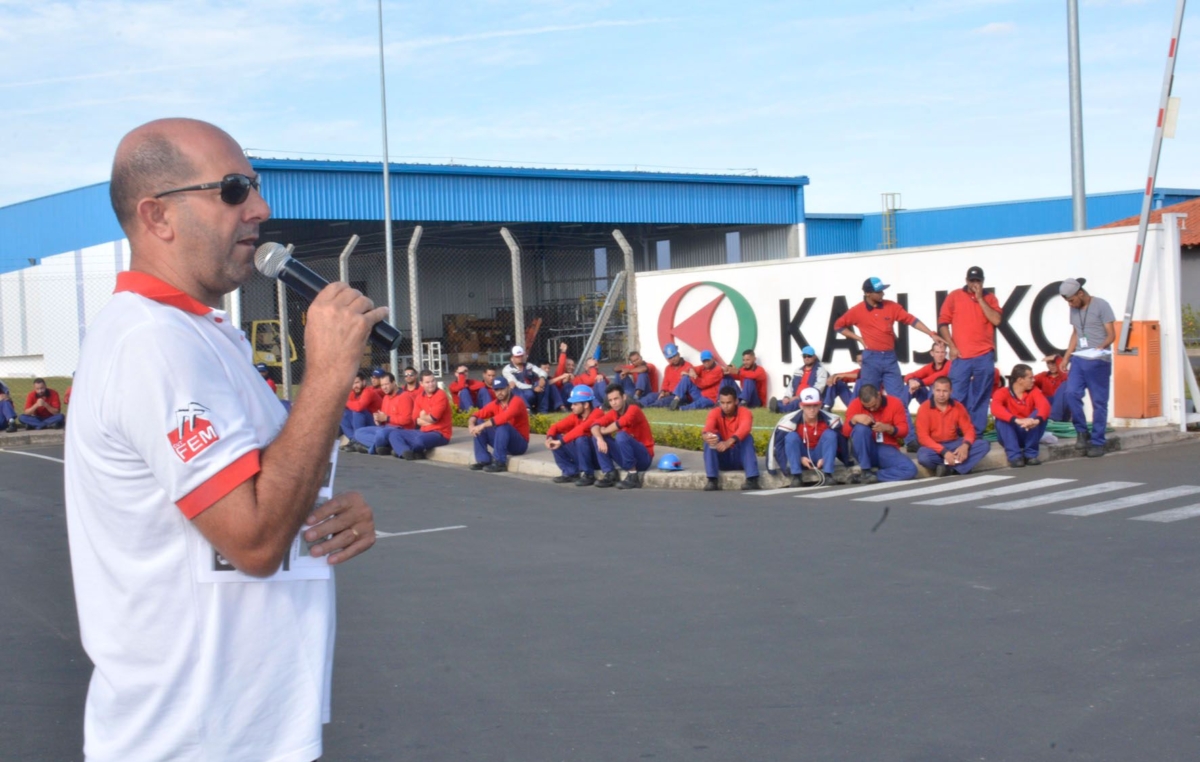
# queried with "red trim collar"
point(152, 288)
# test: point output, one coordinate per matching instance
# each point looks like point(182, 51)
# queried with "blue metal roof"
point(346, 190)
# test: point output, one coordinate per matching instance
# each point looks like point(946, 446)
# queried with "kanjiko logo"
point(697, 330)
point(193, 433)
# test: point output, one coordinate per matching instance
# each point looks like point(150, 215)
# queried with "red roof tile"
point(1189, 234)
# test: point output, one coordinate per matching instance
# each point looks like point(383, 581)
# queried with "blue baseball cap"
point(670, 351)
point(581, 394)
point(669, 462)
point(874, 286)
point(261, 367)
point(705, 355)
point(807, 350)
point(500, 382)
point(378, 373)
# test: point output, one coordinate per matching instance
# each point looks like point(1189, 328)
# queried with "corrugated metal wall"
point(833, 234)
point(763, 243)
point(698, 250)
point(46, 226)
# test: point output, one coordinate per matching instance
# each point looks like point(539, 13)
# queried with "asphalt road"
point(580, 624)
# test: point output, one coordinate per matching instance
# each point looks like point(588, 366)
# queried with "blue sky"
point(945, 101)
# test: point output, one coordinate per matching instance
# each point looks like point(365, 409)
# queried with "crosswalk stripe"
point(1129, 501)
point(944, 485)
point(1055, 497)
point(780, 491)
point(1008, 489)
point(1174, 514)
point(845, 491)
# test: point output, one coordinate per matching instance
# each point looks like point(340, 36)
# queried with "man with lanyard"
point(623, 438)
point(729, 442)
point(948, 439)
point(676, 368)
point(503, 426)
point(639, 377)
point(697, 388)
point(8, 413)
point(874, 317)
point(875, 425)
point(528, 381)
point(569, 440)
point(395, 412)
point(810, 375)
point(967, 323)
point(181, 465)
point(1089, 362)
point(432, 421)
point(811, 441)
point(752, 378)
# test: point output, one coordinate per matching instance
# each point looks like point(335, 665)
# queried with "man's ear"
point(153, 216)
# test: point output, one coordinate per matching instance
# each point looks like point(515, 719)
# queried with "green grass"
point(19, 388)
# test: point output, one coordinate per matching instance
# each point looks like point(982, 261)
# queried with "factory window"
point(602, 269)
point(662, 250)
point(733, 247)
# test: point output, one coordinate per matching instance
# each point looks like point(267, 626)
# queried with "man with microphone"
point(182, 467)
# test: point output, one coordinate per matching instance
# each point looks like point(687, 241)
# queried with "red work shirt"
point(973, 334)
point(757, 374)
point(462, 382)
point(708, 380)
point(1006, 406)
point(935, 426)
point(270, 383)
point(633, 422)
point(810, 433)
point(891, 411)
point(515, 413)
point(874, 324)
point(1048, 384)
point(368, 400)
point(582, 428)
point(927, 374)
point(399, 409)
point(438, 407)
point(651, 371)
point(587, 378)
point(671, 375)
point(723, 426)
point(51, 400)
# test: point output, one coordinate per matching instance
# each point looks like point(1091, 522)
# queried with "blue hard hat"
point(581, 394)
point(669, 462)
point(705, 355)
point(670, 351)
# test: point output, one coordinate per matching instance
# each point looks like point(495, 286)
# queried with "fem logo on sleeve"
point(193, 433)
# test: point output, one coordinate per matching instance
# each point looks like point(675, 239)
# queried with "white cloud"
point(995, 28)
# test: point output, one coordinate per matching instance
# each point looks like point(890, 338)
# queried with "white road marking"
point(1056, 497)
point(416, 531)
point(31, 455)
point(1174, 514)
point(1008, 489)
point(780, 491)
point(943, 485)
point(860, 489)
point(1130, 501)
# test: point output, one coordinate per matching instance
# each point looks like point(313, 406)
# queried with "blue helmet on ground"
point(581, 394)
point(669, 462)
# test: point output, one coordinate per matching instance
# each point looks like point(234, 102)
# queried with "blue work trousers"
point(750, 394)
point(638, 389)
point(973, 379)
point(931, 459)
point(33, 422)
point(372, 437)
point(690, 396)
point(403, 440)
point(7, 412)
point(624, 451)
point(352, 421)
point(826, 449)
point(1018, 442)
point(882, 370)
point(481, 397)
point(575, 457)
point(504, 440)
point(1092, 375)
point(740, 457)
point(893, 465)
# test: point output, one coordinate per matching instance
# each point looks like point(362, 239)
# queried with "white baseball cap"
point(810, 396)
point(518, 351)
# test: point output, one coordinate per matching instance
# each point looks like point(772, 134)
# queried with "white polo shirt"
point(168, 416)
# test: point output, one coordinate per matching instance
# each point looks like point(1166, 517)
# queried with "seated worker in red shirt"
point(672, 374)
point(377, 379)
point(752, 379)
point(469, 393)
point(565, 379)
point(8, 412)
point(395, 412)
point(265, 372)
point(1021, 413)
point(809, 441)
point(622, 437)
point(729, 442)
point(43, 408)
point(639, 377)
point(810, 375)
point(570, 440)
point(433, 419)
point(842, 386)
point(948, 439)
point(920, 381)
point(361, 405)
point(876, 424)
point(503, 426)
point(1048, 383)
point(697, 389)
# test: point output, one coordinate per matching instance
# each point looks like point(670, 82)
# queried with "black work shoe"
point(712, 485)
point(941, 470)
point(12, 426)
point(842, 477)
point(1081, 442)
point(564, 479)
point(675, 403)
point(495, 468)
point(478, 466)
point(868, 477)
point(912, 446)
point(773, 405)
point(1095, 451)
point(608, 479)
point(421, 454)
point(1017, 462)
point(631, 481)
point(586, 479)
point(796, 481)
point(358, 447)
point(1032, 462)
point(751, 484)
point(383, 450)
point(408, 455)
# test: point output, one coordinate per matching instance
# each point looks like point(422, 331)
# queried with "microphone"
point(274, 261)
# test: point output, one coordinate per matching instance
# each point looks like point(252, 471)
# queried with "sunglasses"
point(235, 188)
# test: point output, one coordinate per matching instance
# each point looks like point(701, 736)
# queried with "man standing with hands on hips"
point(968, 323)
point(181, 463)
point(1089, 359)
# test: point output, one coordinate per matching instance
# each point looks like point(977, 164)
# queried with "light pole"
point(1078, 194)
point(394, 358)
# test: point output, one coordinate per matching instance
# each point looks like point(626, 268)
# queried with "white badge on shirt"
point(297, 565)
point(1083, 342)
